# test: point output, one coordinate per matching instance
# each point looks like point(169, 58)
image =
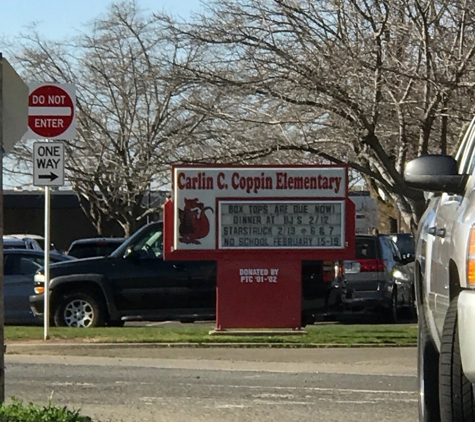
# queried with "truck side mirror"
point(130, 253)
point(435, 173)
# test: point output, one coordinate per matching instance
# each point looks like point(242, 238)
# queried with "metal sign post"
point(48, 170)
point(47, 248)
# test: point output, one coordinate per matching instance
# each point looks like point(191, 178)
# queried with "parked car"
point(445, 282)
point(40, 240)
point(15, 243)
point(379, 279)
point(20, 266)
point(405, 243)
point(134, 283)
point(96, 246)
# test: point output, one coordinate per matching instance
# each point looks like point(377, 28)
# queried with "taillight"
point(371, 265)
point(471, 259)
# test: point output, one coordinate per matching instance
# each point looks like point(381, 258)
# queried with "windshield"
point(404, 242)
point(148, 237)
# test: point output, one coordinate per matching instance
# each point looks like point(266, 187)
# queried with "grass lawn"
point(338, 334)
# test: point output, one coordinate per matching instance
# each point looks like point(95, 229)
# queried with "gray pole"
point(2, 307)
point(46, 267)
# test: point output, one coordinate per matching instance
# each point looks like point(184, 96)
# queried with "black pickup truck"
point(134, 283)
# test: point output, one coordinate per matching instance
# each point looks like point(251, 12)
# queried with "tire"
point(410, 311)
point(427, 374)
point(81, 310)
point(392, 313)
point(456, 391)
point(412, 306)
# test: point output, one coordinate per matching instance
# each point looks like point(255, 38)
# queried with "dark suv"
point(134, 283)
point(405, 244)
point(379, 279)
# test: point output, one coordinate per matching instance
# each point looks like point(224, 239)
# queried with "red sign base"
point(259, 293)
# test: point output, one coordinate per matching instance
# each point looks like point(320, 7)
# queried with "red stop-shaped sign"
point(51, 111)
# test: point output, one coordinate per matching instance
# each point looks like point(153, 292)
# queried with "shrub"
point(18, 412)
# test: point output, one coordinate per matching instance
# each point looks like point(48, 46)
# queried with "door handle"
point(455, 198)
point(440, 232)
point(432, 230)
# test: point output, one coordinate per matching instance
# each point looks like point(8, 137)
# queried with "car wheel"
point(412, 306)
point(392, 313)
point(410, 311)
point(79, 310)
point(456, 391)
point(427, 373)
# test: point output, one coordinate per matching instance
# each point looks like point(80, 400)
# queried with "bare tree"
point(366, 82)
point(131, 119)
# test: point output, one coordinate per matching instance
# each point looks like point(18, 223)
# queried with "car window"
point(471, 164)
point(85, 250)
point(386, 250)
point(10, 265)
point(41, 243)
point(28, 266)
point(396, 253)
point(466, 154)
point(150, 245)
point(365, 248)
point(21, 264)
point(405, 243)
point(14, 245)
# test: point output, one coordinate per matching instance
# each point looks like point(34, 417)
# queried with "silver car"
point(20, 266)
point(445, 283)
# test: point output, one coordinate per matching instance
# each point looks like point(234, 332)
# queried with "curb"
point(210, 345)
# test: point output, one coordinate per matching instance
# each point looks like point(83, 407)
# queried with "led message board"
point(281, 224)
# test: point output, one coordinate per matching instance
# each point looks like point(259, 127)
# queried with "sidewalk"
point(363, 360)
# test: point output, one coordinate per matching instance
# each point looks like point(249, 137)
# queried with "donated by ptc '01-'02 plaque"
point(281, 224)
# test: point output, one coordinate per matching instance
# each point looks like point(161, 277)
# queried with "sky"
point(57, 19)
point(60, 19)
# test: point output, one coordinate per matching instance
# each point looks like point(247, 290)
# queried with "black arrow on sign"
point(50, 176)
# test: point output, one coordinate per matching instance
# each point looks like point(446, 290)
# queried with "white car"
point(12, 242)
point(445, 283)
point(36, 240)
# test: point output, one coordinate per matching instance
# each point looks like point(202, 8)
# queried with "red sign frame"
point(260, 301)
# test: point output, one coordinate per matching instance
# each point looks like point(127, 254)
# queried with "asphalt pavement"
point(145, 383)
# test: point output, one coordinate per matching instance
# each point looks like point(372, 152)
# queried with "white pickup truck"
point(445, 283)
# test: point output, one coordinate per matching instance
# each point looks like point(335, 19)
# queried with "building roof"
point(35, 199)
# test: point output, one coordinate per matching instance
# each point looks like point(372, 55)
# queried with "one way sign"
point(48, 164)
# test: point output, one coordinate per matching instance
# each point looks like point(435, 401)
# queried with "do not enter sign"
point(51, 112)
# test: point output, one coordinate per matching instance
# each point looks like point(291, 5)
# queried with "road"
point(220, 385)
